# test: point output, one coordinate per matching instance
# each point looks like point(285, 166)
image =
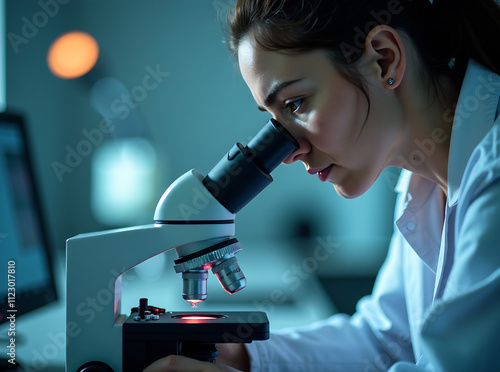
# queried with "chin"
point(350, 192)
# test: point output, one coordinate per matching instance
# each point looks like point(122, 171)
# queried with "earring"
point(390, 81)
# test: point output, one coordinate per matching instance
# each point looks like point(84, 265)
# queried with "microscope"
point(195, 216)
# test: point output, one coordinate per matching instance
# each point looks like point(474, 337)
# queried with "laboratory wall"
point(199, 107)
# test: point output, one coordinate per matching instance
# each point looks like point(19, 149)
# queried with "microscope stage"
point(212, 327)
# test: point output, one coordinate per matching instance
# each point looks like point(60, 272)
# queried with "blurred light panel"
point(103, 96)
point(73, 55)
point(122, 184)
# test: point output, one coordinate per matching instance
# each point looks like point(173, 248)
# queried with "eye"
point(293, 106)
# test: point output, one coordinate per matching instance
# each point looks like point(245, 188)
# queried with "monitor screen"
point(28, 278)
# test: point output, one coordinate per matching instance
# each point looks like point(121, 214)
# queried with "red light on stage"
point(199, 317)
point(192, 318)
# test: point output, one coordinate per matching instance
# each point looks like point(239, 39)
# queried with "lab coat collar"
point(475, 114)
point(420, 214)
point(403, 181)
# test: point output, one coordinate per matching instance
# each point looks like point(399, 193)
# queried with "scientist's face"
point(326, 113)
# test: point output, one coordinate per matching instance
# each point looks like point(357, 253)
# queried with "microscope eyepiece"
point(245, 170)
point(271, 145)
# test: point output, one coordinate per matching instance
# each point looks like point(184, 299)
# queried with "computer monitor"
point(26, 268)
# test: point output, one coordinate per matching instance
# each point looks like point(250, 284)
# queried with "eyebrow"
point(274, 91)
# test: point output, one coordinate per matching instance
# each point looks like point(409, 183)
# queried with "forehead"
point(253, 60)
point(261, 68)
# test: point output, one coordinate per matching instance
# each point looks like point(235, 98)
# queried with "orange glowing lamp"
point(72, 55)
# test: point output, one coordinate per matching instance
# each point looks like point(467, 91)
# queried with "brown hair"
point(446, 33)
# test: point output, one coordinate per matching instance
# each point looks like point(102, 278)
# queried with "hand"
point(235, 355)
point(178, 363)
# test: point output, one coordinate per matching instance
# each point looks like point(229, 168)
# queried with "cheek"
point(383, 127)
point(339, 119)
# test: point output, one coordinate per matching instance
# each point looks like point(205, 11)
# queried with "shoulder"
point(483, 167)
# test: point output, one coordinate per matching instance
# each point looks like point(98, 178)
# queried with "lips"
point(323, 173)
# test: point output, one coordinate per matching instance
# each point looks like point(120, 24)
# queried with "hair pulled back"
point(446, 34)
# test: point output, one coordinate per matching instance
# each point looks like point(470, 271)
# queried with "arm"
point(372, 339)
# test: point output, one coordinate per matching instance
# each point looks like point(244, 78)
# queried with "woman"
point(364, 85)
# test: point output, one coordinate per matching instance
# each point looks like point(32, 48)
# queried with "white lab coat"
point(436, 301)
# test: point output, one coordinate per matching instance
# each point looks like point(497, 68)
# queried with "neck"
point(425, 144)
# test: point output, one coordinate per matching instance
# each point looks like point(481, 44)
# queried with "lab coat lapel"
point(475, 114)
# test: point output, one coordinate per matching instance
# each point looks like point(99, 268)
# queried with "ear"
point(385, 49)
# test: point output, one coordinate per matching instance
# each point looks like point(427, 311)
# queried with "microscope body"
point(195, 216)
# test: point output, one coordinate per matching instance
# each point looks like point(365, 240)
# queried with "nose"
point(299, 154)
